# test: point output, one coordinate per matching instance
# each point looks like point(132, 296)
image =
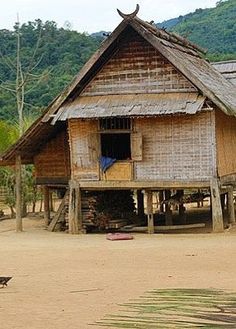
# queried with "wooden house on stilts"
point(146, 113)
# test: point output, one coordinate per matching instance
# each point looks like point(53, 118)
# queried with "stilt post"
point(182, 213)
point(217, 214)
point(75, 211)
point(231, 209)
point(150, 212)
point(161, 199)
point(19, 226)
point(46, 205)
point(168, 212)
point(140, 201)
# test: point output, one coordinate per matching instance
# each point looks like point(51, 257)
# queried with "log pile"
point(99, 208)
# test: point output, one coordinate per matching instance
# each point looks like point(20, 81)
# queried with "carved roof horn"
point(129, 16)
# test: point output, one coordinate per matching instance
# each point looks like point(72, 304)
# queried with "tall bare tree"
point(25, 78)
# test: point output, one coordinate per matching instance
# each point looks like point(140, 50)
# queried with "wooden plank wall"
point(177, 147)
point(226, 143)
point(137, 68)
point(54, 160)
point(84, 149)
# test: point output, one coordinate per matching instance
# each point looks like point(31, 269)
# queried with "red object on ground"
point(119, 236)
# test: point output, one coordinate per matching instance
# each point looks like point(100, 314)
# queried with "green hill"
point(213, 29)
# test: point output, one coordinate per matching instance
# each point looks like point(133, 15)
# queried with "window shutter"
point(93, 147)
point(136, 146)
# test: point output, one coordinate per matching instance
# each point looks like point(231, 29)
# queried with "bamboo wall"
point(177, 148)
point(84, 149)
point(174, 148)
point(137, 67)
point(226, 143)
point(53, 160)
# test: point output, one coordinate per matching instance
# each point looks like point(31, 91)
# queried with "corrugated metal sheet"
point(228, 70)
point(131, 105)
point(226, 66)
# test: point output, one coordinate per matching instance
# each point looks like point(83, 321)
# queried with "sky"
point(93, 15)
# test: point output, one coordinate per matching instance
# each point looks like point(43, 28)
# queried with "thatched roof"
point(183, 55)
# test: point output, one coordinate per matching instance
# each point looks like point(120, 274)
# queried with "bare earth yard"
point(63, 281)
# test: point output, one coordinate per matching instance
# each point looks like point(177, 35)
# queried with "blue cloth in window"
point(106, 163)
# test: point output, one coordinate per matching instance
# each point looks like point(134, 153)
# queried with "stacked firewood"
point(89, 203)
point(99, 208)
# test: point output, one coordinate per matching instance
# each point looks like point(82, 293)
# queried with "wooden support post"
point(222, 200)
point(75, 211)
point(217, 215)
point(231, 209)
point(150, 213)
point(168, 212)
point(182, 213)
point(161, 199)
point(19, 226)
point(140, 201)
point(51, 205)
point(46, 194)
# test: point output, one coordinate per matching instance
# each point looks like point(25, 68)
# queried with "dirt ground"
point(64, 281)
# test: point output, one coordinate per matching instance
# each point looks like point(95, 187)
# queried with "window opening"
point(116, 146)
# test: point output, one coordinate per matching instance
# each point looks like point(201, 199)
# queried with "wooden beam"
point(164, 228)
point(231, 208)
point(150, 212)
point(19, 226)
point(46, 205)
point(217, 215)
point(75, 211)
point(153, 185)
point(228, 180)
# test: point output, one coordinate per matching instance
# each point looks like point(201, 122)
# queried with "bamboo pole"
point(19, 226)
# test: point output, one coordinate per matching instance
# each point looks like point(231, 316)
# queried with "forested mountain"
point(213, 29)
point(59, 56)
point(61, 53)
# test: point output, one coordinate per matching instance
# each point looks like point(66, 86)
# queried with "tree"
point(23, 74)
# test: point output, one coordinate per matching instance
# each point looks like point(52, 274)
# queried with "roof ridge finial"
point(128, 16)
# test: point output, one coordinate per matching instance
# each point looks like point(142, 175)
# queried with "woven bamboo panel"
point(177, 148)
point(226, 143)
point(53, 159)
point(137, 68)
point(84, 149)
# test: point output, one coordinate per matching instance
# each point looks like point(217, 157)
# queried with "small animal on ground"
point(4, 280)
